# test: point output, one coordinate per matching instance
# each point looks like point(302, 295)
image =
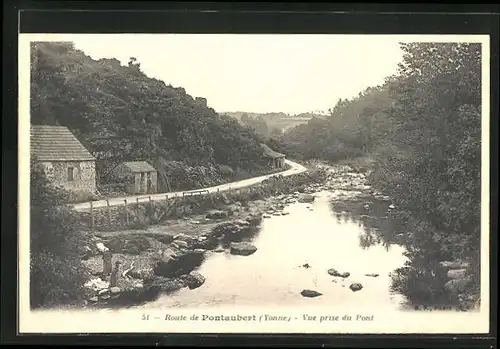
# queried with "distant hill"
point(266, 123)
point(121, 114)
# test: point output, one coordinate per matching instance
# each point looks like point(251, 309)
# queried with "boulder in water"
point(306, 198)
point(242, 248)
point(356, 287)
point(310, 293)
point(335, 272)
point(194, 280)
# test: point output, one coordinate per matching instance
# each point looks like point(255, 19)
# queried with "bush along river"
point(323, 238)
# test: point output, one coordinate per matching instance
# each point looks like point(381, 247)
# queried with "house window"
point(71, 174)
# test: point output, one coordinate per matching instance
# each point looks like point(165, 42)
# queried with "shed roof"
point(56, 143)
point(139, 166)
point(270, 153)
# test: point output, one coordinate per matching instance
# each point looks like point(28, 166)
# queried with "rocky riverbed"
point(162, 259)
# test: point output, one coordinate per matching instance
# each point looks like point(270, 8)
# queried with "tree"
point(437, 124)
point(101, 99)
point(432, 166)
point(57, 274)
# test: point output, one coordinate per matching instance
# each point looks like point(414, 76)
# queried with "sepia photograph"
point(254, 183)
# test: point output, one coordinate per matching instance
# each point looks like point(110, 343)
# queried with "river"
point(317, 234)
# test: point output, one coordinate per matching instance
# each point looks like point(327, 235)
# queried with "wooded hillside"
point(120, 114)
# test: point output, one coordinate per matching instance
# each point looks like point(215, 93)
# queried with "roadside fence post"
point(92, 218)
point(126, 213)
point(109, 212)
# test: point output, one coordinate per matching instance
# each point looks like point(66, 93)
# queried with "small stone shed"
point(139, 177)
point(65, 161)
point(275, 159)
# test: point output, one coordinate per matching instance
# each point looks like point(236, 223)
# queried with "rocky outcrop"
point(242, 248)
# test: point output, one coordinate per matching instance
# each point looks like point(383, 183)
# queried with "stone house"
point(64, 159)
point(139, 177)
point(275, 159)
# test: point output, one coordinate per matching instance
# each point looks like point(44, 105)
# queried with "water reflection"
point(421, 279)
point(372, 216)
point(312, 235)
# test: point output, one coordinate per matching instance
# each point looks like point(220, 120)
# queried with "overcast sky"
point(257, 73)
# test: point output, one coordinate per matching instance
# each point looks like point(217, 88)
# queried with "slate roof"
point(139, 166)
point(56, 143)
point(270, 153)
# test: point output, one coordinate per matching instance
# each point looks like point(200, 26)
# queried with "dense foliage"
point(57, 274)
point(423, 130)
point(432, 167)
point(120, 114)
point(353, 128)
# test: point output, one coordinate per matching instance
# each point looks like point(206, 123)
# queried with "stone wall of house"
point(132, 180)
point(137, 183)
point(84, 176)
point(154, 181)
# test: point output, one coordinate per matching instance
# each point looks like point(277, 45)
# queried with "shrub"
point(57, 274)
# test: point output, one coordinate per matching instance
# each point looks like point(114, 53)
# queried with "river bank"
point(160, 256)
point(164, 258)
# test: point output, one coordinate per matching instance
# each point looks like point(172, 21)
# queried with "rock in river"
point(242, 248)
point(334, 272)
point(310, 293)
point(355, 287)
point(306, 198)
point(194, 280)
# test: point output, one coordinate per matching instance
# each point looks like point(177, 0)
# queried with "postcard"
point(223, 183)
